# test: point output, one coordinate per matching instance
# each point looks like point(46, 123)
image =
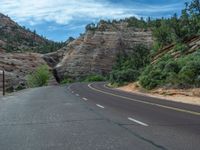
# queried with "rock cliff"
point(17, 66)
point(96, 50)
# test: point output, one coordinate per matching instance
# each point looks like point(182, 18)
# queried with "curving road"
point(164, 124)
point(85, 116)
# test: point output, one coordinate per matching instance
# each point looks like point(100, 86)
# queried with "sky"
point(59, 19)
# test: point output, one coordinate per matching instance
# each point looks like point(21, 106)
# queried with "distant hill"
point(14, 38)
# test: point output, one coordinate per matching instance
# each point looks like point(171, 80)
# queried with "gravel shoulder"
point(190, 96)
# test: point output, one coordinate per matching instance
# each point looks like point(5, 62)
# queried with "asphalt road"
point(161, 123)
point(93, 117)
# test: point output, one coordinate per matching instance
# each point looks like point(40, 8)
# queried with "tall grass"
point(39, 78)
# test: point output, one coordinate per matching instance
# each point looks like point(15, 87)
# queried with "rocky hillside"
point(188, 46)
point(97, 49)
point(14, 38)
point(17, 66)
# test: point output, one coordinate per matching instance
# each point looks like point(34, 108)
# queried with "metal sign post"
point(4, 91)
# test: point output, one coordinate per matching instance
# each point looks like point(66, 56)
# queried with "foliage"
point(94, 78)
point(25, 40)
point(180, 47)
point(39, 78)
point(128, 67)
point(67, 80)
point(183, 72)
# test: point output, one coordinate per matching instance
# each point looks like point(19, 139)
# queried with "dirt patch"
point(189, 96)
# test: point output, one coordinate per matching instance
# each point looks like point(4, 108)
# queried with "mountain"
point(95, 51)
point(14, 38)
point(17, 66)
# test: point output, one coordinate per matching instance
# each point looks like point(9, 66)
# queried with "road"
point(85, 116)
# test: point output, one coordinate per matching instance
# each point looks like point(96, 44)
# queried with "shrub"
point(39, 78)
point(124, 76)
point(94, 78)
point(66, 81)
point(189, 74)
point(129, 67)
point(180, 47)
point(152, 78)
point(183, 72)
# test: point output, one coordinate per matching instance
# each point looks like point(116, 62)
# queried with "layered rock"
point(96, 50)
point(17, 66)
point(193, 44)
point(54, 58)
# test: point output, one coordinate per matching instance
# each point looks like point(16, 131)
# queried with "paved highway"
point(164, 124)
point(85, 116)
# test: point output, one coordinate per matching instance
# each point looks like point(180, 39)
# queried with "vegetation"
point(129, 67)
point(176, 29)
point(67, 80)
point(21, 39)
point(39, 78)
point(94, 78)
point(182, 72)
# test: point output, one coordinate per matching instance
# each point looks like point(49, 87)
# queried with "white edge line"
point(138, 122)
point(85, 99)
point(148, 103)
point(100, 106)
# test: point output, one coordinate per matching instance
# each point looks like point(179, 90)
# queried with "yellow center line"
point(148, 103)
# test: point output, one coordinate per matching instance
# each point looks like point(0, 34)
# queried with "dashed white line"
point(85, 99)
point(72, 91)
point(77, 94)
point(138, 122)
point(100, 106)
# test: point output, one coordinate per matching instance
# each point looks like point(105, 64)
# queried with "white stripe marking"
point(138, 122)
point(85, 99)
point(100, 106)
point(72, 91)
point(77, 94)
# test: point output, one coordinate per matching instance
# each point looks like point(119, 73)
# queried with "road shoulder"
point(131, 88)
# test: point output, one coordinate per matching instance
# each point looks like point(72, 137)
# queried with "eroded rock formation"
point(96, 50)
point(17, 66)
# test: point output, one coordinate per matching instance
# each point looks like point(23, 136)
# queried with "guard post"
point(4, 89)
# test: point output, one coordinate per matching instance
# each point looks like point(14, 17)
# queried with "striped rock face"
point(96, 51)
point(17, 66)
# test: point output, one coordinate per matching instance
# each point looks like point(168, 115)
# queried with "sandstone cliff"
point(17, 66)
point(96, 50)
point(193, 44)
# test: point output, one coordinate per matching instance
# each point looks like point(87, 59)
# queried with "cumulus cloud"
point(65, 11)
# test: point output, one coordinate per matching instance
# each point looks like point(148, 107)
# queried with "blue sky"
point(59, 19)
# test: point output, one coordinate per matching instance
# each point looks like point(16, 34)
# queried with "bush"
point(180, 47)
point(189, 74)
point(94, 78)
point(39, 78)
point(66, 81)
point(182, 72)
point(129, 67)
point(124, 76)
point(152, 77)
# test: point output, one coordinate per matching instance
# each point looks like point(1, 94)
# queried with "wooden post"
point(4, 91)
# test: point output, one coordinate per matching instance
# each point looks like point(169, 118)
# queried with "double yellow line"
point(145, 102)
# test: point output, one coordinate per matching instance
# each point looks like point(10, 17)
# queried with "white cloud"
point(64, 11)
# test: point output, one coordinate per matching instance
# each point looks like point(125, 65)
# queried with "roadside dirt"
point(189, 96)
